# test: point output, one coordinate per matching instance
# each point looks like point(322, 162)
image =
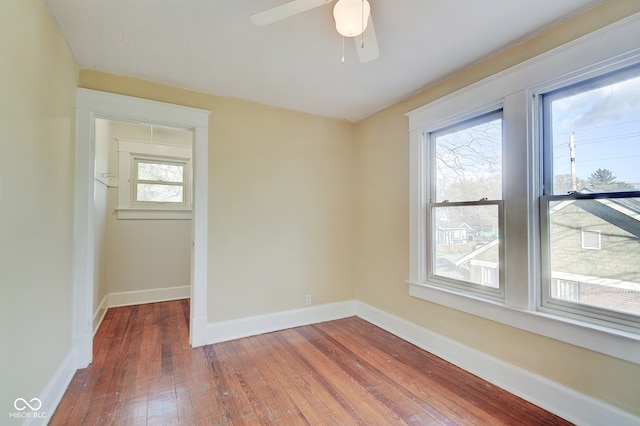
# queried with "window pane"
point(595, 252)
point(466, 246)
point(595, 139)
point(159, 193)
point(469, 162)
point(160, 172)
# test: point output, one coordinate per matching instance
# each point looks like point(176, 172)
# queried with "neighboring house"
point(453, 235)
point(595, 244)
point(482, 264)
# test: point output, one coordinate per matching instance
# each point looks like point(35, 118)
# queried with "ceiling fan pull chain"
point(362, 33)
point(343, 49)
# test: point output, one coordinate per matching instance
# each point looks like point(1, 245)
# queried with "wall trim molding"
point(92, 104)
point(154, 295)
point(251, 326)
point(54, 390)
point(100, 312)
point(567, 403)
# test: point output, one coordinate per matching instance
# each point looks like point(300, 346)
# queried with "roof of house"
point(623, 213)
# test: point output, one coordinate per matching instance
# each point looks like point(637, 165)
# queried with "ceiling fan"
point(353, 19)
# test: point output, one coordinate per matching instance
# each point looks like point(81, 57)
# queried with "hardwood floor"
point(339, 372)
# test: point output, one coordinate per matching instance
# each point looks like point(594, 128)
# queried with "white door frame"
point(92, 104)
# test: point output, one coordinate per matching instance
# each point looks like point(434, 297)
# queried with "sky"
point(606, 127)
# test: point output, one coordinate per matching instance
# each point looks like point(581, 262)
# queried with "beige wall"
point(38, 77)
point(281, 211)
point(382, 238)
point(281, 201)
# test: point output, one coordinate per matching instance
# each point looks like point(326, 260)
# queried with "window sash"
point(566, 91)
point(578, 307)
point(465, 286)
point(572, 306)
point(135, 182)
point(483, 118)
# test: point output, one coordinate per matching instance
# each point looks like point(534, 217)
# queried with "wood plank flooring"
point(339, 372)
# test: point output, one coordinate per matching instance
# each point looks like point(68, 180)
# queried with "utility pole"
point(572, 154)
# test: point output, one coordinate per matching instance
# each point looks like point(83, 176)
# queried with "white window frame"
point(135, 181)
point(517, 90)
point(607, 72)
point(131, 150)
point(585, 235)
point(459, 123)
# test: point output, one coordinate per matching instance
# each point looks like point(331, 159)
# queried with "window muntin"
point(465, 208)
point(590, 210)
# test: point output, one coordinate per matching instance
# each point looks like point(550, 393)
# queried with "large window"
point(590, 210)
point(465, 205)
point(525, 196)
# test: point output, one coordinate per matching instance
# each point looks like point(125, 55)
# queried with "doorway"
point(93, 105)
point(142, 214)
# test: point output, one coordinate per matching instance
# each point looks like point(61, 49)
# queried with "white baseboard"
point(128, 298)
point(99, 313)
point(554, 397)
point(198, 331)
point(53, 392)
point(245, 327)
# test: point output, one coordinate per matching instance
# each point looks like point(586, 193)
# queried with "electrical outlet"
point(307, 299)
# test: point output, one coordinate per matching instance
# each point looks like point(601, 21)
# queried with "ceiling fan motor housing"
point(351, 17)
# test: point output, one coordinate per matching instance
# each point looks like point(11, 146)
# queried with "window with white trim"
point(158, 182)
point(547, 228)
point(155, 180)
point(590, 209)
point(464, 210)
point(591, 240)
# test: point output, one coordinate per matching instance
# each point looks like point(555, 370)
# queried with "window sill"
point(607, 341)
point(154, 214)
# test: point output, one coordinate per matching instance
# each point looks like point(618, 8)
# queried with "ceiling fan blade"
point(286, 10)
point(369, 51)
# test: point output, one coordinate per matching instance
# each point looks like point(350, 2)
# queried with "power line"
point(600, 140)
point(599, 159)
point(622, 123)
point(609, 158)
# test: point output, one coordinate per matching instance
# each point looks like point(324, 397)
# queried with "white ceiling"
point(211, 46)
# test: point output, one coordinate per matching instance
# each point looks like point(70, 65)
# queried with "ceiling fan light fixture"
point(351, 17)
